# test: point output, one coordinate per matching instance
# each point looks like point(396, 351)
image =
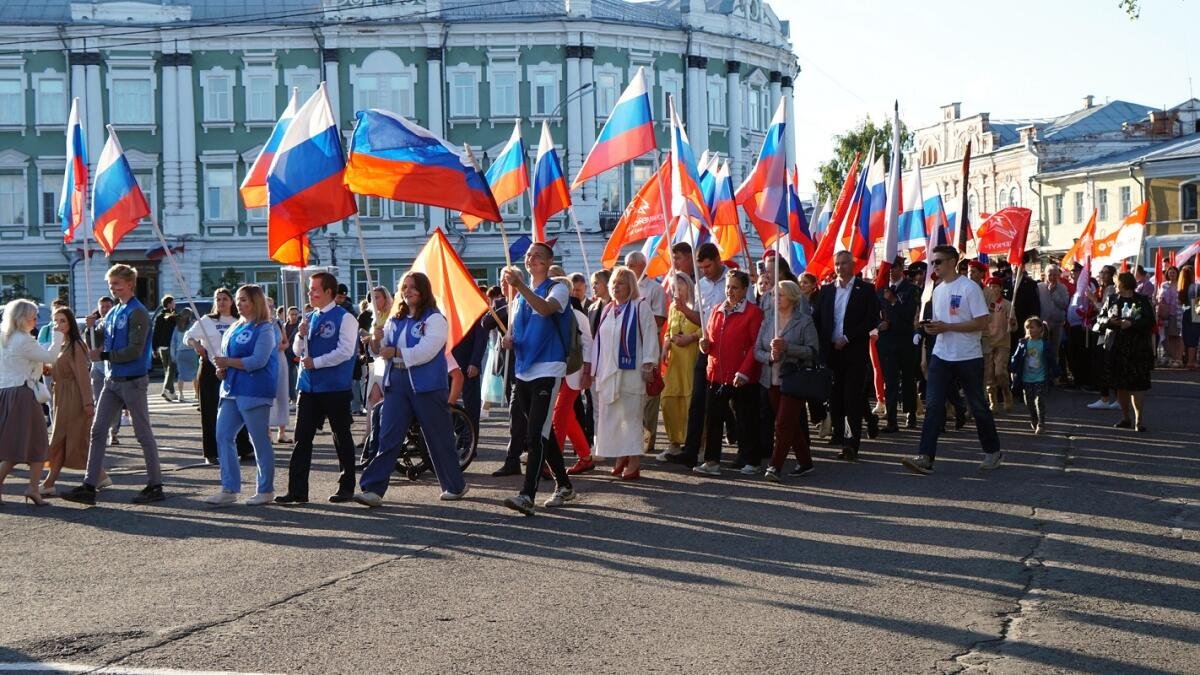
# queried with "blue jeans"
point(230, 421)
point(942, 376)
point(399, 408)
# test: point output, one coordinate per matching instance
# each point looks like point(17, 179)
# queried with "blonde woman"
point(22, 424)
point(681, 348)
point(624, 356)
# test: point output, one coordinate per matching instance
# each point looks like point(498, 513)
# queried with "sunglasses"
point(938, 261)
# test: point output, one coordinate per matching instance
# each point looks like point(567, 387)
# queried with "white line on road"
point(56, 667)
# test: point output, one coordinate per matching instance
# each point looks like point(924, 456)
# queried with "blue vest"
point(239, 343)
point(323, 331)
point(116, 336)
point(429, 376)
point(541, 339)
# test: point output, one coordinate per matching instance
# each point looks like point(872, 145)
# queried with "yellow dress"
point(681, 366)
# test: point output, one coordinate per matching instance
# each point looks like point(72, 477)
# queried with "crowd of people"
point(761, 359)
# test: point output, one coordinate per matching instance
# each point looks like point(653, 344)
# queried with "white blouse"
point(21, 359)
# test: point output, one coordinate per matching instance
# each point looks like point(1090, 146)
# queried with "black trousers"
point(745, 400)
point(536, 398)
point(517, 430)
point(311, 412)
point(848, 399)
point(899, 363)
point(472, 399)
point(1079, 358)
point(697, 411)
point(210, 400)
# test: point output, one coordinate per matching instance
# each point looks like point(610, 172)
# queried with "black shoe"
point(890, 429)
point(1123, 424)
point(836, 441)
point(211, 461)
point(340, 497)
point(802, 470)
point(960, 421)
point(1141, 428)
point(150, 493)
point(848, 455)
point(872, 426)
point(911, 423)
point(683, 459)
point(246, 459)
point(507, 470)
point(83, 494)
point(290, 498)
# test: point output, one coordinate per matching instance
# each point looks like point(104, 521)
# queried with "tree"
point(858, 140)
point(17, 291)
point(229, 279)
point(1132, 7)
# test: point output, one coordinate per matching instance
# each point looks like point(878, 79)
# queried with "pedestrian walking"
point(22, 425)
point(1128, 318)
point(1034, 369)
point(73, 404)
point(164, 330)
point(795, 346)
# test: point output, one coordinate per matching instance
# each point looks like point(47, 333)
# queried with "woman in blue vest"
point(415, 387)
point(248, 372)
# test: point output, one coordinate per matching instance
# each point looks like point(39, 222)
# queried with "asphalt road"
point(1079, 554)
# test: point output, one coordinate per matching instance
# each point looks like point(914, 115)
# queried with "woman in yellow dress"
point(681, 348)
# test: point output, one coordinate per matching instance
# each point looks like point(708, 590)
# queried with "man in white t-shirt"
point(960, 314)
point(654, 294)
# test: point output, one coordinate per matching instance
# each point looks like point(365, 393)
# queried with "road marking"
point(58, 667)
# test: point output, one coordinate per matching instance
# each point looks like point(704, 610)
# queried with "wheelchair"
point(413, 459)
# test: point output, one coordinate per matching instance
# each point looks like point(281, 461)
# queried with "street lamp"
point(580, 91)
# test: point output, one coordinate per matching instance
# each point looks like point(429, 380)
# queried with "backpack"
point(572, 340)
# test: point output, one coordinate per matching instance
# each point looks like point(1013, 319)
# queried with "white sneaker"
point(991, 460)
point(222, 498)
point(708, 468)
point(449, 496)
point(772, 474)
point(879, 409)
point(106, 483)
point(750, 470)
point(261, 498)
point(368, 499)
point(921, 464)
point(826, 427)
point(1115, 405)
point(1037, 430)
point(560, 497)
point(1098, 404)
point(664, 456)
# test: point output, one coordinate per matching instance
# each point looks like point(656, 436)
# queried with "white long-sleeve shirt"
point(346, 344)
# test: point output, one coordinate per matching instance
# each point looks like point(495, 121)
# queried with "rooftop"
point(1175, 148)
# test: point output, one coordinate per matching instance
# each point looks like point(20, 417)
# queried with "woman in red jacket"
point(732, 374)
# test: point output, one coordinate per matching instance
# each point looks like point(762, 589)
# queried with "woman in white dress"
point(624, 356)
point(280, 411)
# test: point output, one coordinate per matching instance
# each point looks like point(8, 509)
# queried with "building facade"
point(194, 88)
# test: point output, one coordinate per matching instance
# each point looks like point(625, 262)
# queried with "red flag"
point(1160, 272)
point(1084, 246)
point(643, 216)
point(458, 296)
point(1005, 231)
point(822, 261)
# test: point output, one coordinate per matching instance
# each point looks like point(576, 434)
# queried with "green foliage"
point(1132, 7)
point(17, 292)
point(230, 278)
point(858, 140)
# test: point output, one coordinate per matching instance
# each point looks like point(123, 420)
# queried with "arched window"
point(972, 207)
point(1014, 196)
point(384, 82)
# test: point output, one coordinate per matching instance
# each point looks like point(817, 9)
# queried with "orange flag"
point(643, 216)
point(458, 297)
point(1084, 245)
point(822, 262)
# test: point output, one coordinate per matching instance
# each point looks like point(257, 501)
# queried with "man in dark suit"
point(469, 354)
point(897, 354)
point(846, 312)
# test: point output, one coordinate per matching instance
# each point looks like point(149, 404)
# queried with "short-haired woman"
point(1129, 319)
point(624, 356)
point(22, 424)
point(414, 388)
point(249, 373)
point(795, 345)
point(73, 406)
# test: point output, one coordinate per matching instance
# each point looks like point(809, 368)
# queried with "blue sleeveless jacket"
point(427, 377)
point(323, 331)
point(116, 336)
point(541, 339)
point(240, 341)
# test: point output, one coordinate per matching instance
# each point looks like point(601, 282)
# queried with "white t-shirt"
point(539, 369)
point(654, 294)
point(959, 301)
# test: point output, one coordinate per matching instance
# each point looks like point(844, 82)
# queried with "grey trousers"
point(129, 395)
point(97, 387)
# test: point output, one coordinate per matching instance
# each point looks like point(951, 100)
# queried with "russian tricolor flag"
point(628, 132)
point(550, 194)
point(911, 227)
point(508, 176)
point(871, 215)
point(395, 158)
point(75, 177)
point(937, 224)
point(305, 184)
point(726, 225)
point(765, 190)
point(118, 204)
point(254, 187)
point(689, 210)
point(891, 217)
point(803, 244)
point(821, 219)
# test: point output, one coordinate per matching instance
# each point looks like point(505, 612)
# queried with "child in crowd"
point(1034, 368)
point(996, 343)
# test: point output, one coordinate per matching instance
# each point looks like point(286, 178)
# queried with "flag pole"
point(579, 235)
point(87, 268)
point(362, 249)
point(499, 223)
point(183, 285)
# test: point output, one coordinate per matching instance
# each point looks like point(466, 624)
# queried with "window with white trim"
point(304, 78)
point(50, 100)
point(49, 189)
point(608, 87)
point(642, 170)
point(1188, 201)
point(1014, 196)
point(1126, 196)
point(513, 208)
point(260, 96)
point(385, 82)
point(220, 193)
point(1102, 205)
point(1078, 207)
point(369, 207)
point(56, 285)
point(672, 86)
point(1058, 209)
point(268, 280)
point(717, 108)
point(13, 283)
point(754, 109)
point(608, 190)
point(12, 199)
point(217, 86)
point(464, 90)
point(503, 83)
point(12, 98)
point(131, 98)
point(407, 210)
point(362, 290)
point(543, 90)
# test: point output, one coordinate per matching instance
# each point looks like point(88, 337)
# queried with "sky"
point(1013, 58)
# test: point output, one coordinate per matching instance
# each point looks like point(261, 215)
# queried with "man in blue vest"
point(126, 355)
point(326, 342)
point(539, 339)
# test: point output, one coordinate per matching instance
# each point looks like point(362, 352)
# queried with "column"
point(733, 116)
point(696, 103)
point(329, 59)
point(776, 92)
point(789, 112)
point(574, 113)
point(95, 106)
point(588, 105)
point(188, 220)
point(170, 136)
point(437, 123)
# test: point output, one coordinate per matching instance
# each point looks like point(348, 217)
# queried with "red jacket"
point(732, 340)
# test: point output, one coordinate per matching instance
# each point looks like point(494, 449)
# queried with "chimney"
point(952, 111)
point(1088, 101)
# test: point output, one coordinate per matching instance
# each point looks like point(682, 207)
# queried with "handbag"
point(40, 391)
point(810, 382)
point(656, 384)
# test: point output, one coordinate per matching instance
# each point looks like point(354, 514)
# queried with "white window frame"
point(1014, 196)
point(271, 287)
point(361, 289)
point(212, 117)
point(603, 184)
point(1057, 207)
point(1078, 207)
point(49, 175)
point(1194, 184)
point(132, 69)
point(1126, 200)
point(299, 77)
point(606, 97)
point(397, 210)
point(260, 65)
point(504, 68)
point(383, 63)
point(717, 94)
point(370, 207)
point(19, 197)
point(42, 122)
point(670, 82)
point(12, 68)
point(64, 285)
point(1102, 205)
point(9, 280)
point(214, 161)
point(552, 99)
point(464, 111)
